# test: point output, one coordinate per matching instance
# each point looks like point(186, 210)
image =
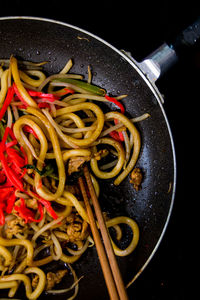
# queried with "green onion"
point(46, 171)
point(84, 85)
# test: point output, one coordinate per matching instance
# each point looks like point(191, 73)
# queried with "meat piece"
point(100, 154)
point(32, 203)
point(77, 231)
point(136, 178)
point(52, 279)
point(14, 226)
point(76, 162)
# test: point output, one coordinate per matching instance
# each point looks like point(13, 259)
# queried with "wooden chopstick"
point(99, 246)
point(109, 264)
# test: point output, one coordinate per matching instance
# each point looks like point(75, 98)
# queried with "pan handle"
point(163, 58)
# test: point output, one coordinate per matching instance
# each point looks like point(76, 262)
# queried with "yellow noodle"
point(40, 124)
point(56, 247)
point(17, 128)
point(41, 283)
point(5, 253)
point(66, 211)
point(89, 75)
point(7, 285)
point(64, 201)
point(61, 135)
point(26, 243)
point(15, 73)
point(82, 212)
point(46, 227)
point(4, 86)
point(19, 269)
point(96, 185)
point(76, 101)
point(27, 283)
point(118, 232)
point(75, 152)
point(67, 67)
point(80, 251)
point(71, 116)
point(42, 261)
point(33, 82)
point(69, 259)
point(137, 143)
point(1, 71)
point(58, 156)
point(100, 121)
point(34, 142)
point(135, 229)
point(117, 168)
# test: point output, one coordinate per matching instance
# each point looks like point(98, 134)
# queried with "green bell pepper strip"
point(84, 85)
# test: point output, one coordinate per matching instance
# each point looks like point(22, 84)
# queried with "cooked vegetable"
point(46, 135)
point(84, 85)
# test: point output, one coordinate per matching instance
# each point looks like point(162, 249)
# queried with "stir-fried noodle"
point(50, 127)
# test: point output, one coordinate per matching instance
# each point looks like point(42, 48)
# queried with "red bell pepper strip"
point(10, 203)
point(10, 144)
point(8, 131)
point(2, 217)
point(120, 105)
point(2, 177)
point(46, 204)
point(43, 105)
point(15, 157)
point(121, 137)
point(19, 95)
point(7, 101)
point(49, 208)
point(50, 97)
point(65, 91)
point(11, 175)
point(27, 214)
point(116, 102)
point(69, 91)
point(5, 192)
point(28, 129)
point(114, 134)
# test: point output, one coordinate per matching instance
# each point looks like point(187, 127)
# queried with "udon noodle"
point(49, 127)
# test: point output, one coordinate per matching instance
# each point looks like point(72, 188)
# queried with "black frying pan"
point(151, 206)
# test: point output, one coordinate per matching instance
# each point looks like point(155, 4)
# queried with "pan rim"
point(158, 97)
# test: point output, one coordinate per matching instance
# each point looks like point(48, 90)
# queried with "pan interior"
point(38, 40)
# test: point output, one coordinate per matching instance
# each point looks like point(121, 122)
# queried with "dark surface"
point(165, 276)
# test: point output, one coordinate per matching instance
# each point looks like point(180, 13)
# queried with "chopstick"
point(111, 272)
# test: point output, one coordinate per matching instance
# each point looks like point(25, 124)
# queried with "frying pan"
point(118, 73)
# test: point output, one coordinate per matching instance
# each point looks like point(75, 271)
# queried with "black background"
point(140, 28)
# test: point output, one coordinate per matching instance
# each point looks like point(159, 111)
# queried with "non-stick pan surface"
point(151, 206)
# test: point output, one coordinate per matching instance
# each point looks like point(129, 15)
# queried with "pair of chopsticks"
point(111, 272)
